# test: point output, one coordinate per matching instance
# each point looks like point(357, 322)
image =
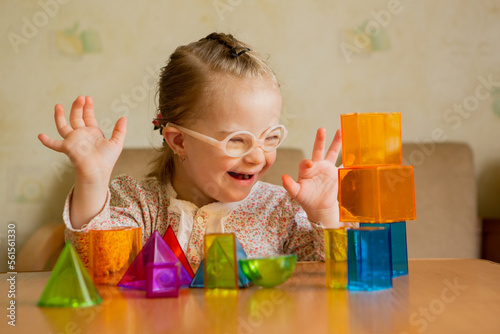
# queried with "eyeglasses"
point(240, 143)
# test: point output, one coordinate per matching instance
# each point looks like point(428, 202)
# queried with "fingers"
point(53, 144)
point(88, 112)
point(290, 185)
point(334, 149)
point(305, 168)
point(81, 115)
point(62, 126)
point(305, 164)
point(119, 131)
point(76, 114)
point(319, 145)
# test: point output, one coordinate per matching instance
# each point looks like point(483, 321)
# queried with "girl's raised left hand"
point(316, 189)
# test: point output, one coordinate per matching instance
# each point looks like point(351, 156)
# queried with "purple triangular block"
point(155, 250)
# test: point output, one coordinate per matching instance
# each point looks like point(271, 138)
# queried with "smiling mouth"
point(240, 176)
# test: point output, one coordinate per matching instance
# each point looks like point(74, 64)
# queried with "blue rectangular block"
point(369, 265)
point(399, 247)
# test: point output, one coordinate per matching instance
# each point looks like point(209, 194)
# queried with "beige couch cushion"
point(445, 194)
point(134, 162)
point(447, 224)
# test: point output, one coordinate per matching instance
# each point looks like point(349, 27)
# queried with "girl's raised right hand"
point(92, 155)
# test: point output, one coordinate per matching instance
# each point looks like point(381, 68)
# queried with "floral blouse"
point(267, 222)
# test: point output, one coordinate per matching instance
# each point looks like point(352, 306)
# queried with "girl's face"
point(208, 175)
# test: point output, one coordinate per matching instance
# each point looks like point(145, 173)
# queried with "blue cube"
point(369, 265)
point(398, 246)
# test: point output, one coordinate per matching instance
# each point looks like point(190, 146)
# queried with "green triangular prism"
point(219, 268)
point(69, 284)
point(243, 281)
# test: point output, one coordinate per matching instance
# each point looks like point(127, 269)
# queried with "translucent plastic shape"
point(380, 194)
point(243, 281)
point(154, 251)
point(269, 271)
point(371, 139)
point(174, 245)
point(399, 248)
point(69, 284)
point(163, 280)
point(111, 252)
point(221, 268)
point(369, 265)
point(336, 257)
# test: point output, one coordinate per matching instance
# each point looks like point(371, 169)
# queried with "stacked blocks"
point(369, 258)
point(371, 139)
point(156, 269)
point(398, 246)
point(374, 187)
point(376, 194)
point(69, 284)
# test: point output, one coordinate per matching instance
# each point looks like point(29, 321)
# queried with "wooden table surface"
point(438, 296)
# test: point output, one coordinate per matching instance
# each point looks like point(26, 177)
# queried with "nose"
point(256, 156)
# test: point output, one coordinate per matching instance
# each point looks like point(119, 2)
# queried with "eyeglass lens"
point(241, 143)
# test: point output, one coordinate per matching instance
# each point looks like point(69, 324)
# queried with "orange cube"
point(112, 251)
point(371, 139)
point(378, 194)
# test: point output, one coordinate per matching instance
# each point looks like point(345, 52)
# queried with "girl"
point(219, 110)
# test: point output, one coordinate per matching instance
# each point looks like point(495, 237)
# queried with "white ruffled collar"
point(215, 214)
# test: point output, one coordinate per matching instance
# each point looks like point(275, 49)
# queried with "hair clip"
point(157, 122)
point(235, 54)
point(232, 50)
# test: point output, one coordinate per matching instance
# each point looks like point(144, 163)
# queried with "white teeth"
point(246, 177)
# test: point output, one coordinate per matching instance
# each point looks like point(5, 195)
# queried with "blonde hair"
point(189, 78)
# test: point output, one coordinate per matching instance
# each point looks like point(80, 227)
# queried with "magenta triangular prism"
point(155, 250)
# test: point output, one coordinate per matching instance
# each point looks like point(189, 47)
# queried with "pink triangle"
point(155, 250)
point(174, 245)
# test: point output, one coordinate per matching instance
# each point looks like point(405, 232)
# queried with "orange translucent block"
point(377, 194)
point(111, 252)
point(371, 139)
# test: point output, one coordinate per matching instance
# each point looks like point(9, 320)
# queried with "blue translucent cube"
point(399, 248)
point(369, 265)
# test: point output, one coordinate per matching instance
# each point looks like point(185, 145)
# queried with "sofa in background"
point(447, 225)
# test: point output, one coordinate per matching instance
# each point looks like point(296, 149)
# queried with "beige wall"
point(430, 59)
